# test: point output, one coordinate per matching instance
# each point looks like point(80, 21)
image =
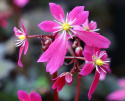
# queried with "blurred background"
point(110, 17)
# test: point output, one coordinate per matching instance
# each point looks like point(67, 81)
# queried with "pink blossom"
point(21, 3)
point(55, 54)
point(23, 96)
point(118, 95)
point(3, 19)
point(76, 17)
point(65, 77)
point(94, 59)
point(87, 33)
point(21, 34)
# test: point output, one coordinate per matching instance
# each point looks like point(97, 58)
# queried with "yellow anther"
point(99, 62)
point(21, 37)
point(66, 26)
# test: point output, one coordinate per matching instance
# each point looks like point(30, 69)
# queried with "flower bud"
point(75, 44)
point(78, 51)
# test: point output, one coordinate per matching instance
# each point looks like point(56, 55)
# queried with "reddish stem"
point(33, 36)
point(72, 57)
point(77, 88)
point(55, 91)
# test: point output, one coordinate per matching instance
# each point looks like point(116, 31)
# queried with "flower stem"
point(72, 57)
point(33, 36)
point(55, 91)
point(77, 88)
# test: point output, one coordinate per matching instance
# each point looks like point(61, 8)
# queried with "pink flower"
point(87, 33)
point(118, 95)
point(22, 41)
point(76, 17)
point(23, 96)
point(21, 3)
point(3, 18)
point(94, 59)
point(65, 77)
point(55, 54)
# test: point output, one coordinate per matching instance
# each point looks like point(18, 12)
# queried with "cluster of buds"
point(55, 46)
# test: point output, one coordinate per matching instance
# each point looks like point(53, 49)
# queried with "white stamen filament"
point(58, 22)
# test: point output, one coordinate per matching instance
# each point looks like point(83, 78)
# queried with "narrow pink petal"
point(57, 12)
point(87, 55)
point(92, 25)
point(20, 53)
point(26, 47)
point(80, 28)
point(17, 34)
point(57, 57)
point(86, 24)
point(102, 75)
point(92, 39)
point(23, 96)
point(87, 69)
point(25, 32)
point(121, 82)
point(96, 51)
point(88, 48)
point(94, 84)
point(35, 97)
point(49, 26)
point(116, 95)
point(81, 18)
point(104, 57)
point(75, 12)
point(68, 78)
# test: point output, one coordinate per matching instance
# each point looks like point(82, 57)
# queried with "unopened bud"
point(75, 44)
point(78, 51)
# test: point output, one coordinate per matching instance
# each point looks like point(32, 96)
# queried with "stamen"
point(70, 34)
point(62, 18)
point(72, 21)
point(67, 18)
point(58, 30)
point(58, 22)
point(103, 70)
point(102, 54)
point(96, 30)
point(72, 31)
point(97, 69)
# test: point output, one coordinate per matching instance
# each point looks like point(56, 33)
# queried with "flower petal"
point(25, 32)
point(87, 69)
point(20, 53)
point(118, 95)
point(49, 26)
point(23, 96)
point(81, 18)
point(68, 78)
point(87, 55)
point(57, 12)
point(17, 33)
point(88, 48)
point(61, 85)
point(92, 39)
point(102, 75)
point(94, 84)
point(58, 56)
point(96, 51)
point(35, 97)
point(55, 54)
point(75, 12)
point(26, 47)
point(92, 25)
point(86, 24)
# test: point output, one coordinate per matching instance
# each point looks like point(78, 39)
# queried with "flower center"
point(87, 28)
point(66, 26)
point(21, 37)
point(99, 62)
